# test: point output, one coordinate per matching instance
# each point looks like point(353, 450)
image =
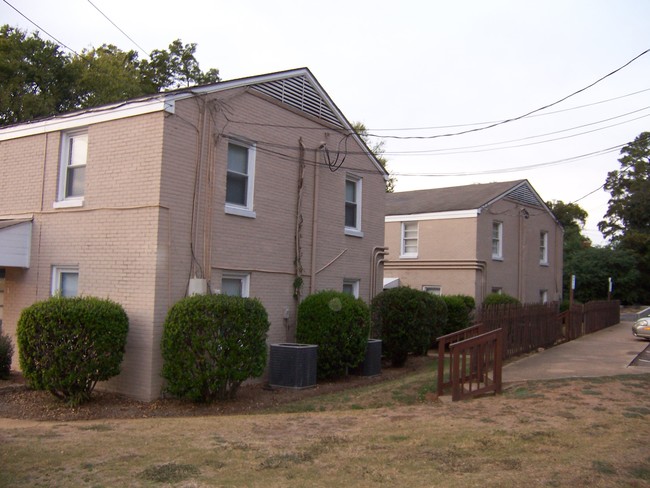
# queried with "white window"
point(433, 289)
point(409, 240)
point(497, 240)
point(353, 206)
point(72, 174)
point(543, 247)
point(498, 290)
point(240, 179)
point(65, 281)
point(235, 284)
point(351, 287)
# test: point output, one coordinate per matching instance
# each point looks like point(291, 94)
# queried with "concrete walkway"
point(608, 352)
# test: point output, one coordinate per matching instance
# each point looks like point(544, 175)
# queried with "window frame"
point(355, 230)
point(543, 296)
point(57, 274)
point(403, 246)
point(62, 198)
point(543, 248)
point(247, 209)
point(433, 289)
point(244, 279)
point(354, 283)
point(498, 239)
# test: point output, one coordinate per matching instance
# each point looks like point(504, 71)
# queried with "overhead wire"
point(513, 119)
point(144, 51)
point(40, 28)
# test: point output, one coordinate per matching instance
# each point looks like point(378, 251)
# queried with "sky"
point(428, 78)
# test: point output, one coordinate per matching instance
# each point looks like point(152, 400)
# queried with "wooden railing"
point(476, 365)
point(444, 343)
point(505, 331)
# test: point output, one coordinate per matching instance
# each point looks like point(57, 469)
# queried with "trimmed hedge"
point(406, 320)
point(499, 299)
point(211, 344)
point(67, 345)
point(339, 324)
point(6, 353)
point(460, 309)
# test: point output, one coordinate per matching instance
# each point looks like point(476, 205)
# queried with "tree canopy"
point(38, 78)
point(377, 149)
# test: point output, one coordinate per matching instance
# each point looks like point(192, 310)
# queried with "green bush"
point(440, 317)
point(499, 299)
point(211, 344)
point(67, 345)
point(6, 353)
point(460, 309)
point(339, 324)
point(406, 321)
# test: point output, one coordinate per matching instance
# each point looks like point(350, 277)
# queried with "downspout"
point(520, 270)
point(314, 224)
point(374, 267)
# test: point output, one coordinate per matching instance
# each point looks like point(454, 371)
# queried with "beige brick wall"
point(456, 254)
point(112, 238)
point(138, 237)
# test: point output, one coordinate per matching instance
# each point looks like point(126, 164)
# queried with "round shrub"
point(67, 345)
point(339, 324)
point(211, 344)
point(459, 312)
point(405, 320)
point(6, 352)
point(439, 318)
point(500, 299)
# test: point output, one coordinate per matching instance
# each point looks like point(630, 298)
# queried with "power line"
point(513, 119)
point(40, 28)
point(590, 193)
point(144, 51)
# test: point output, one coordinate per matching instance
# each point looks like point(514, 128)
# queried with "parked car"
point(641, 328)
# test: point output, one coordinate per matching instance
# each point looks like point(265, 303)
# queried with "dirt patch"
point(17, 401)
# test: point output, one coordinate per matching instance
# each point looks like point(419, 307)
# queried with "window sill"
point(408, 256)
point(69, 203)
point(497, 258)
point(240, 212)
point(353, 232)
point(546, 265)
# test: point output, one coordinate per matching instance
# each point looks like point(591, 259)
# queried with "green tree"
point(572, 217)
point(627, 221)
point(629, 205)
point(377, 149)
point(35, 77)
point(38, 79)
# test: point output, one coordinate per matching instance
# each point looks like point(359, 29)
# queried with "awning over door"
point(15, 243)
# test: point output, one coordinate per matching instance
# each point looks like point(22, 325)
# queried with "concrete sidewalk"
point(608, 352)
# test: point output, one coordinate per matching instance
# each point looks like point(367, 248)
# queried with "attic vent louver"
point(299, 93)
point(524, 194)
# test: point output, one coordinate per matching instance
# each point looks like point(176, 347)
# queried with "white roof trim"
point(91, 116)
point(454, 214)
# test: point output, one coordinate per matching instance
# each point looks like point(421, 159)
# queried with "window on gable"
point(543, 247)
point(72, 171)
point(409, 240)
point(497, 240)
point(351, 287)
point(235, 284)
point(353, 206)
point(65, 281)
point(240, 178)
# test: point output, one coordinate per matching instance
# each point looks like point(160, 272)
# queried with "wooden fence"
point(516, 330)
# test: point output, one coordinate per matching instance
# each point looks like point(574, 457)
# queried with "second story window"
point(409, 240)
point(240, 178)
point(497, 240)
point(543, 247)
point(353, 206)
point(72, 175)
